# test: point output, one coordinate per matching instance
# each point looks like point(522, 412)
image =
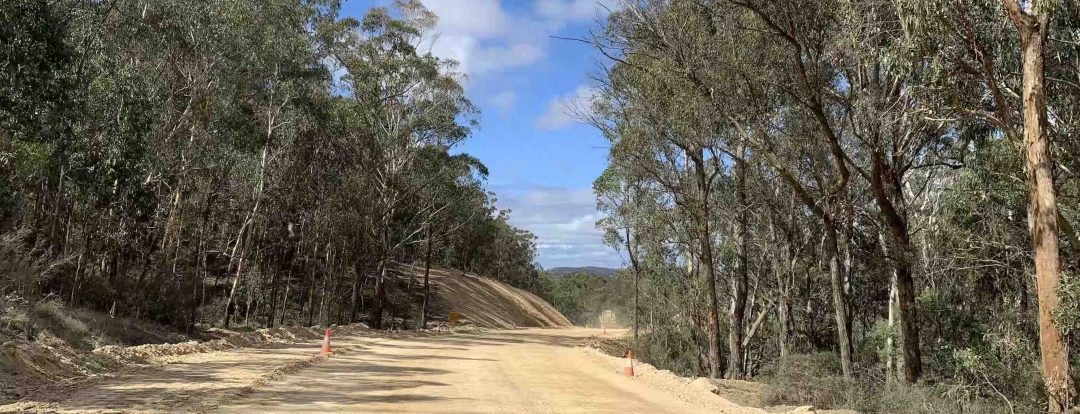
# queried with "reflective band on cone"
point(326, 343)
point(629, 369)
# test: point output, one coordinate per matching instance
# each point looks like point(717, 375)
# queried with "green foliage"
point(674, 348)
point(814, 379)
point(34, 60)
point(1068, 314)
point(208, 162)
point(883, 192)
point(582, 297)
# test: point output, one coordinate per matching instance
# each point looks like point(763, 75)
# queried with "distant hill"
point(591, 270)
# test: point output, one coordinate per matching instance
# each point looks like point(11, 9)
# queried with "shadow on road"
point(387, 371)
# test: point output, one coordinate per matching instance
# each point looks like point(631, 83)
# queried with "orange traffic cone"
point(326, 343)
point(629, 369)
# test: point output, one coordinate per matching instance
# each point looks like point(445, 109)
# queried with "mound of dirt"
point(26, 366)
point(747, 395)
point(151, 353)
point(487, 303)
point(615, 347)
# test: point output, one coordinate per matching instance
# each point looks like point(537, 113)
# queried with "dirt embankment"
point(73, 345)
point(719, 394)
point(28, 367)
point(485, 302)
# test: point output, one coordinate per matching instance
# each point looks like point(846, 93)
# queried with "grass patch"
point(80, 329)
point(816, 379)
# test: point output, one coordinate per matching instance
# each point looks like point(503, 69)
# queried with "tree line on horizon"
point(890, 184)
point(255, 162)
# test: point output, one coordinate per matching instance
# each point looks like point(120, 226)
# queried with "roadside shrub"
point(816, 379)
point(18, 273)
point(673, 349)
point(14, 321)
point(813, 379)
point(50, 316)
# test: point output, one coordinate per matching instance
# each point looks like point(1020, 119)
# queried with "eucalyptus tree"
point(35, 98)
point(992, 79)
point(654, 136)
point(792, 76)
point(787, 243)
point(285, 91)
point(618, 197)
point(867, 115)
point(204, 153)
point(881, 97)
point(806, 76)
point(449, 191)
point(405, 100)
point(773, 80)
point(1032, 21)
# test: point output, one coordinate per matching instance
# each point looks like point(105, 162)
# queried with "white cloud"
point(563, 111)
point(495, 58)
point(564, 222)
point(458, 47)
point(480, 18)
point(573, 9)
point(485, 38)
point(545, 246)
point(502, 101)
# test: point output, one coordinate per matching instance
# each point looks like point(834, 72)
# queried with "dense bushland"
point(892, 183)
point(257, 162)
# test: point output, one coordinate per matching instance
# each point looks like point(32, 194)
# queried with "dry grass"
point(615, 347)
point(815, 379)
point(69, 346)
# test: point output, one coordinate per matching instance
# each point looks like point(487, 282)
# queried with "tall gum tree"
point(680, 157)
point(969, 43)
point(1032, 21)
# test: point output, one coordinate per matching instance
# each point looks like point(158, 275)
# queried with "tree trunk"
point(892, 326)
point(909, 325)
point(783, 312)
point(712, 314)
point(836, 276)
point(902, 252)
point(1034, 25)
point(427, 283)
point(78, 270)
point(380, 296)
point(272, 305)
point(230, 304)
point(355, 299)
point(637, 277)
point(784, 271)
point(739, 282)
point(285, 300)
point(200, 263)
point(311, 292)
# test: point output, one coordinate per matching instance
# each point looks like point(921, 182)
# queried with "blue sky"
point(526, 83)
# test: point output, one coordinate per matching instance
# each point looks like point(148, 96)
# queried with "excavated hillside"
point(73, 344)
point(485, 302)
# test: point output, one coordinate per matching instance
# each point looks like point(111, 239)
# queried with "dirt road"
point(508, 371)
point(512, 371)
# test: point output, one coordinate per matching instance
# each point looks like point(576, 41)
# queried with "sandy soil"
point(486, 302)
point(509, 371)
point(506, 371)
point(193, 382)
